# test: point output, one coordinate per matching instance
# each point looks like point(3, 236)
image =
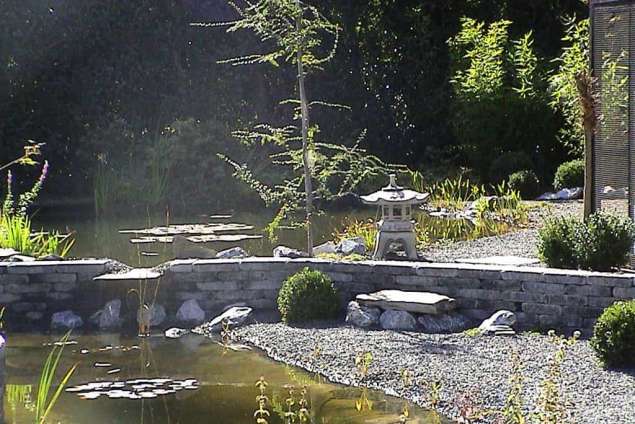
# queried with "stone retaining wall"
point(541, 297)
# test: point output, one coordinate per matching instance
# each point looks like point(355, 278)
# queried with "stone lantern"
point(396, 225)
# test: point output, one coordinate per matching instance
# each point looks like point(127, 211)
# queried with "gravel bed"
point(475, 366)
point(521, 242)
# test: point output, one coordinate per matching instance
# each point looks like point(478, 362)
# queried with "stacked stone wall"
point(541, 297)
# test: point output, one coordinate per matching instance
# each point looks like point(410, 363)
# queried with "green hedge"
point(569, 175)
point(306, 296)
point(526, 183)
point(614, 335)
point(601, 243)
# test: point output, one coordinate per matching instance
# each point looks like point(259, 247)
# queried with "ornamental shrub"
point(308, 295)
point(614, 334)
point(600, 244)
point(609, 240)
point(558, 242)
point(526, 183)
point(569, 175)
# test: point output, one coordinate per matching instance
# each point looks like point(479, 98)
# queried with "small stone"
point(415, 302)
point(287, 252)
point(397, 320)
point(190, 312)
point(362, 316)
point(175, 333)
point(351, 246)
point(66, 320)
point(233, 253)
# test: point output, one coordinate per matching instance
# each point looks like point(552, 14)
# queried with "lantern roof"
point(394, 194)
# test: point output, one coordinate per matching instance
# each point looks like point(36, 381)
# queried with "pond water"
point(216, 385)
point(100, 237)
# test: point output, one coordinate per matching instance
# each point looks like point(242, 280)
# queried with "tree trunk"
point(304, 106)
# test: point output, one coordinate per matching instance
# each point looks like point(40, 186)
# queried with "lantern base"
point(384, 239)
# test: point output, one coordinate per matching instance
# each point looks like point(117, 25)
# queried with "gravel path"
point(521, 243)
point(478, 366)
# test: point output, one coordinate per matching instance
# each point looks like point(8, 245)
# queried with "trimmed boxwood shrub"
point(306, 296)
point(614, 335)
point(601, 243)
point(569, 175)
point(526, 183)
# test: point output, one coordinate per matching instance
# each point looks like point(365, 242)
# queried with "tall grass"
point(16, 234)
point(44, 402)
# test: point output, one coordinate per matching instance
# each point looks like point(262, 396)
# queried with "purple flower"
point(45, 171)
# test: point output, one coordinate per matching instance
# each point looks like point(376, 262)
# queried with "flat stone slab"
point(133, 274)
point(7, 253)
point(416, 302)
point(500, 260)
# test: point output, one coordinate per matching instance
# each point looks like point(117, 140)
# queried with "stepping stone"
point(500, 260)
point(416, 302)
point(133, 274)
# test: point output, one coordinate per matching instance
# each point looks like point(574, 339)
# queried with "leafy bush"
point(526, 183)
point(508, 163)
point(308, 295)
point(600, 244)
point(614, 334)
point(569, 174)
point(609, 240)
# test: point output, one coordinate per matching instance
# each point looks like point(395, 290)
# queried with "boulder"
point(233, 253)
point(109, 317)
point(327, 248)
point(415, 302)
point(175, 333)
point(234, 316)
point(564, 194)
point(499, 324)
point(190, 312)
point(362, 316)
point(444, 323)
point(397, 320)
point(351, 246)
point(66, 320)
point(287, 252)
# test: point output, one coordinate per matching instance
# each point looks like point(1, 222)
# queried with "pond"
point(100, 237)
point(202, 382)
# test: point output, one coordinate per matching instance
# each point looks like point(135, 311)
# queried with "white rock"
point(190, 312)
point(397, 320)
point(351, 246)
point(287, 252)
point(66, 320)
point(233, 316)
point(233, 253)
point(500, 322)
point(175, 333)
point(362, 316)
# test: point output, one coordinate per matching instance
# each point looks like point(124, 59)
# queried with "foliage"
point(499, 85)
point(352, 228)
point(573, 60)
point(602, 243)
point(45, 403)
point(453, 194)
point(614, 334)
point(262, 413)
point(363, 361)
point(16, 234)
point(308, 295)
point(569, 175)
point(526, 183)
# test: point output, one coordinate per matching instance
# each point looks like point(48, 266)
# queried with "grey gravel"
point(521, 242)
point(475, 366)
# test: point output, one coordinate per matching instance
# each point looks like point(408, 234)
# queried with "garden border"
point(540, 297)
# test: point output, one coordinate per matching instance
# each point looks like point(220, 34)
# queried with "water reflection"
point(221, 386)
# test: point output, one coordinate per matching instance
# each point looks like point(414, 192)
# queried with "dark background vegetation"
point(119, 90)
